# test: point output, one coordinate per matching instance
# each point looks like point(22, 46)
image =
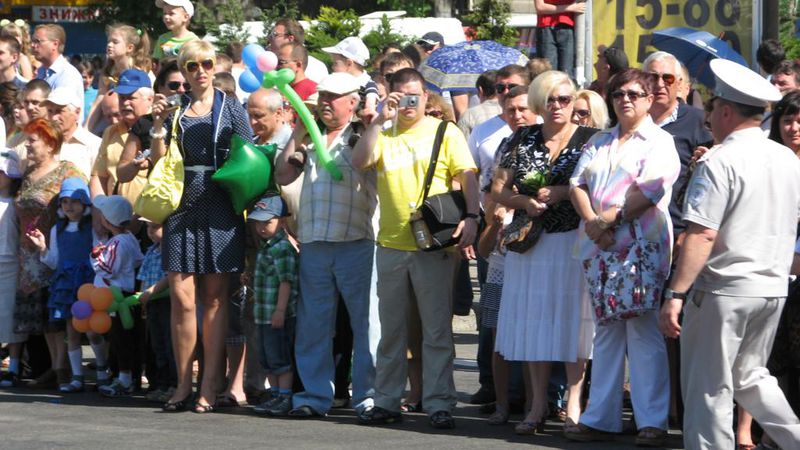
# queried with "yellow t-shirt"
point(402, 162)
point(111, 148)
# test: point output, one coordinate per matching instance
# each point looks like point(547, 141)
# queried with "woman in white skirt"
point(9, 265)
point(544, 312)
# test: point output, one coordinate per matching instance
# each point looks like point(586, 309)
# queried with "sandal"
point(179, 406)
point(584, 433)
point(411, 407)
point(529, 428)
point(200, 408)
point(651, 437)
point(227, 401)
point(498, 417)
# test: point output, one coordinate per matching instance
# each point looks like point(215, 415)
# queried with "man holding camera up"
point(402, 154)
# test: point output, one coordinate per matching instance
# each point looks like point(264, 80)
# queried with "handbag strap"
point(174, 137)
point(437, 144)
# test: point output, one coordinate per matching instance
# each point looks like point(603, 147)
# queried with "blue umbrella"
point(695, 49)
point(457, 67)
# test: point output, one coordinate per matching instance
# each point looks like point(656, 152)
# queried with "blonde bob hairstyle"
point(544, 85)
point(597, 108)
point(196, 50)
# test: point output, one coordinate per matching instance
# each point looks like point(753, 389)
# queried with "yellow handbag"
point(162, 193)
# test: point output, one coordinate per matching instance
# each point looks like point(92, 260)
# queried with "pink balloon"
point(266, 61)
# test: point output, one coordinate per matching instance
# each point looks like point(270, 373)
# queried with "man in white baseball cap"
point(80, 146)
point(741, 212)
point(350, 56)
point(334, 228)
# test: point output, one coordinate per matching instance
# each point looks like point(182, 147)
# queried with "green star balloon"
point(247, 173)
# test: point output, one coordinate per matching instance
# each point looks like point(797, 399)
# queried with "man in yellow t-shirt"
point(401, 154)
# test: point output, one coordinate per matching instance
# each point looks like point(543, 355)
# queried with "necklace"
point(561, 139)
point(199, 112)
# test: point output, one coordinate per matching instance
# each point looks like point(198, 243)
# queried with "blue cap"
point(131, 81)
point(268, 208)
point(75, 188)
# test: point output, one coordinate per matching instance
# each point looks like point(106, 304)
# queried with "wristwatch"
point(603, 224)
point(669, 293)
point(158, 134)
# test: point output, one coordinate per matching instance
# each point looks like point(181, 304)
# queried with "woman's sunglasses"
point(175, 85)
point(632, 95)
point(192, 66)
point(582, 113)
point(434, 113)
point(562, 100)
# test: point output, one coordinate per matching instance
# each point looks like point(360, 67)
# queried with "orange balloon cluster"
point(100, 299)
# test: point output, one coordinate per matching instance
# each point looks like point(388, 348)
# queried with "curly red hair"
point(47, 132)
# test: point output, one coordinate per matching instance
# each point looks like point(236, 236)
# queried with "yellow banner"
point(629, 24)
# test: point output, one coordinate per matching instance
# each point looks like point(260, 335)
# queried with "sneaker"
point(115, 389)
point(340, 402)
point(9, 379)
point(379, 416)
point(264, 407)
point(280, 406)
point(442, 420)
point(76, 385)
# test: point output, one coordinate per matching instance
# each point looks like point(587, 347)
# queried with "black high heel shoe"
point(179, 406)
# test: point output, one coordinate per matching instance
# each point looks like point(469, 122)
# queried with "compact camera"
point(409, 101)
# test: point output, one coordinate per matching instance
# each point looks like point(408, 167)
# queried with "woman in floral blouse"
point(36, 206)
point(544, 312)
point(621, 189)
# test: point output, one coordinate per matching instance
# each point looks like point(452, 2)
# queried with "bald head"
point(265, 108)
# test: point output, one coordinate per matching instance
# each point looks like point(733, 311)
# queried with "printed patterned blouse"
point(525, 154)
point(649, 161)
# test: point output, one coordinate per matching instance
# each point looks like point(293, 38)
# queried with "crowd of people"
point(602, 220)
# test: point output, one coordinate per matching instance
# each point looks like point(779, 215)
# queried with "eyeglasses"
point(582, 113)
point(632, 95)
point(275, 34)
point(563, 100)
point(283, 62)
point(669, 79)
point(175, 85)
point(502, 87)
point(37, 41)
point(192, 66)
point(434, 113)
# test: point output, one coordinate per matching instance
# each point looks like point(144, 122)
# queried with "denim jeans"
point(557, 44)
point(327, 270)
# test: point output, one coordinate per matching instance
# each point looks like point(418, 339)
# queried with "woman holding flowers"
point(544, 312)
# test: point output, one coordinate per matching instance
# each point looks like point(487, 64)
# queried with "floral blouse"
point(647, 160)
point(36, 206)
point(526, 154)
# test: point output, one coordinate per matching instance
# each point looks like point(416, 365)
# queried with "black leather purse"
point(443, 212)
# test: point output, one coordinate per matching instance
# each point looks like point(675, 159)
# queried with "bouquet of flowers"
point(536, 180)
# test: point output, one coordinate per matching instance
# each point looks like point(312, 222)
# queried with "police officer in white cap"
point(741, 209)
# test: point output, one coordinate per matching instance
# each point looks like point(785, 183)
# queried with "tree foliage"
point(328, 28)
point(489, 21)
point(383, 35)
point(137, 13)
point(225, 22)
point(788, 16)
point(414, 8)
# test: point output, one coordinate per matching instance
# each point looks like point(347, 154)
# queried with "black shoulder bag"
point(441, 213)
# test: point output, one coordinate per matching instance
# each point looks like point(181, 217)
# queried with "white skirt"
point(545, 311)
point(8, 290)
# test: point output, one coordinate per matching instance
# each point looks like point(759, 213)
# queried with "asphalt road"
point(36, 419)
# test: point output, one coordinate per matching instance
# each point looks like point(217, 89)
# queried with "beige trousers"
point(425, 278)
point(725, 344)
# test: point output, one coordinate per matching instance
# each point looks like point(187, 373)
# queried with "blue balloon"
point(248, 81)
point(81, 310)
point(250, 54)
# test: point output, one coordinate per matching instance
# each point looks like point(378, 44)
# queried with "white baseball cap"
point(351, 48)
point(185, 4)
point(9, 163)
point(339, 83)
point(63, 96)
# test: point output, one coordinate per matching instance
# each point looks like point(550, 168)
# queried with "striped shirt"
point(115, 262)
point(336, 211)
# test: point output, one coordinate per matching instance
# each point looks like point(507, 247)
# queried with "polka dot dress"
point(204, 235)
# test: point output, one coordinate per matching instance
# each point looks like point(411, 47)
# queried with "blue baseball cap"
point(268, 208)
point(76, 188)
point(131, 81)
